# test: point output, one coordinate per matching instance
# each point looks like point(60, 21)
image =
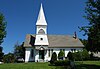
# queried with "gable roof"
point(55, 41)
point(64, 41)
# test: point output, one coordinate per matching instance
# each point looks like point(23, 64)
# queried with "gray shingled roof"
point(63, 41)
point(29, 40)
point(55, 41)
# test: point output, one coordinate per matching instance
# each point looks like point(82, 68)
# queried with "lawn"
point(33, 65)
point(87, 64)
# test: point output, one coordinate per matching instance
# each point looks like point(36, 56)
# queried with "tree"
point(2, 33)
point(85, 42)
point(1, 53)
point(92, 11)
point(2, 28)
point(53, 58)
point(19, 51)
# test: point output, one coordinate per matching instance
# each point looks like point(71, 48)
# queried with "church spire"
point(41, 17)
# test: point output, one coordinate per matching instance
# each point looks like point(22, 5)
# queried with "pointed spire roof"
point(41, 17)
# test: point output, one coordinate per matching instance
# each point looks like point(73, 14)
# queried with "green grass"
point(32, 65)
point(87, 64)
point(26, 66)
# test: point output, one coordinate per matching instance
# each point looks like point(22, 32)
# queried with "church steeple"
point(41, 17)
point(41, 31)
point(41, 22)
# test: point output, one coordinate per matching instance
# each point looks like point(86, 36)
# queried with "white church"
point(40, 46)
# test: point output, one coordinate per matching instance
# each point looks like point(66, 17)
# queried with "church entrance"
point(41, 54)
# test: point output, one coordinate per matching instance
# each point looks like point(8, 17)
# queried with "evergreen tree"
point(70, 56)
point(2, 28)
point(2, 33)
point(53, 58)
point(92, 11)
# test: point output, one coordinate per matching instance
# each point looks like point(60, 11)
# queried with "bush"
point(61, 55)
point(53, 58)
point(70, 56)
point(9, 58)
point(85, 54)
point(62, 63)
point(79, 56)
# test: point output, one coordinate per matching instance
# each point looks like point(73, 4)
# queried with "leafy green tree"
point(2, 33)
point(61, 55)
point(92, 11)
point(19, 51)
point(85, 43)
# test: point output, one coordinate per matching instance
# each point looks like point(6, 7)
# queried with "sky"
point(63, 18)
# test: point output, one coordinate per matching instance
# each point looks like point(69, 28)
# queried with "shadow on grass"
point(87, 66)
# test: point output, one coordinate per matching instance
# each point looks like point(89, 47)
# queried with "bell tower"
point(41, 29)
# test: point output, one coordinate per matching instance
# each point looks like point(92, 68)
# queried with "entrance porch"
point(41, 55)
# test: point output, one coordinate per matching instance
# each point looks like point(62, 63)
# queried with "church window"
point(49, 52)
point(71, 49)
point(60, 49)
point(41, 31)
point(74, 50)
point(32, 52)
point(64, 50)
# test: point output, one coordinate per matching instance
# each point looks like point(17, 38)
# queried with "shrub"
point(62, 63)
point(70, 56)
point(9, 58)
point(85, 54)
point(61, 55)
point(77, 56)
point(81, 55)
point(53, 58)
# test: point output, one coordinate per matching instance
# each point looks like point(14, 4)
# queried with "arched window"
point(41, 31)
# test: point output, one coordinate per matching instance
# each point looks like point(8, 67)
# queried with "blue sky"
point(63, 17)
